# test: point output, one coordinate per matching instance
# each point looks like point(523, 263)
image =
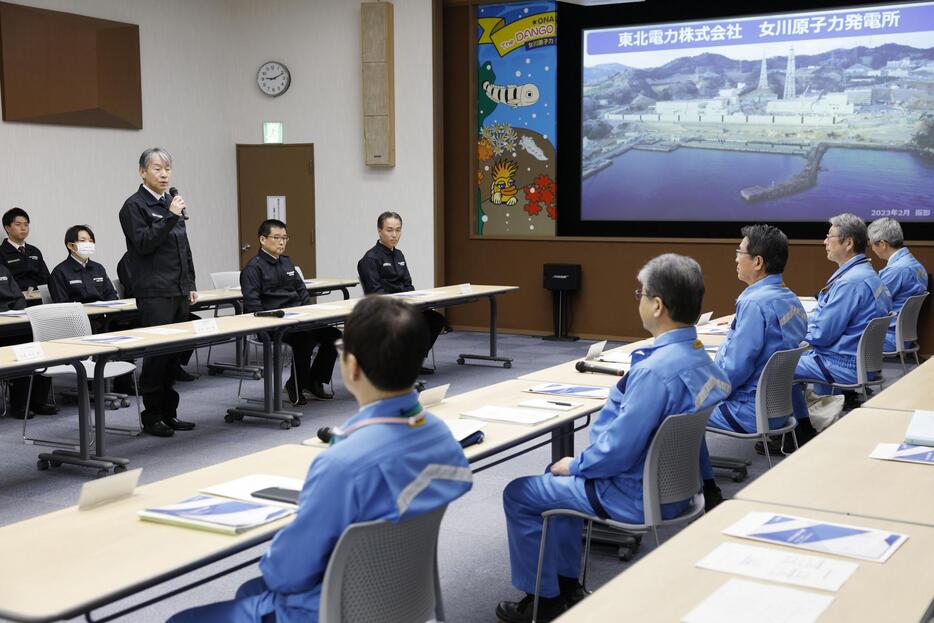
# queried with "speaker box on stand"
point(562, 280)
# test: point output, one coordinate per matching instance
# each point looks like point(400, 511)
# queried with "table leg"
point(506, 361)
point(272, 387)
point(562, 442)
point(239, 364)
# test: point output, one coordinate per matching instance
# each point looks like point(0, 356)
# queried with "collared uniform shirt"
point(381, 471)
point(28, 269)
point(384, 271)
point(158, 252)
point(74, 282)
point(673, 376)
point(270, 283)
point(904, 276)
point(853, 296)
point(769, 317)
point(11, 295)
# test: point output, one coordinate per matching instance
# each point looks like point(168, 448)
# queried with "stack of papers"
point(462, 429)
point(741, 601)
point(617, 357)
point(16, 313)
point(117, 303)
point(921, 429)
point(714, 329)
point(511, 415)
point(578, 391)
point(110, 339)
point(818, 536)
point(905, 452)
point(222, 515)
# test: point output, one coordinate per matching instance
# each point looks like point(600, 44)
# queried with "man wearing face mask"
point(80, 279)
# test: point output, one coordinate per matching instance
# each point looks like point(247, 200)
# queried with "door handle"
point(246, 246)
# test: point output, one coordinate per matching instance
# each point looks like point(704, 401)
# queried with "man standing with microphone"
point(159, 257)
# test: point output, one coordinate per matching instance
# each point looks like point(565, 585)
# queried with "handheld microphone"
point(586, 366)
point(272, 313)
point(173, 192)
point(324, 434)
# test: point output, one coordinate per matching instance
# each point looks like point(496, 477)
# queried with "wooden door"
point(287, 171)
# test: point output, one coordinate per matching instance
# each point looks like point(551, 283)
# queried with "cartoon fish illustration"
point(514, 95)
point(528, 144)
point(503, 189)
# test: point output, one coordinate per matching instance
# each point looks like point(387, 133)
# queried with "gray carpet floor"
point(472, 553)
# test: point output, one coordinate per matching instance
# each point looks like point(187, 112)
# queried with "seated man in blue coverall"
point(390, 461)
point(675, 375)
point(769, 317)
point(852, 297)
point(903, 275)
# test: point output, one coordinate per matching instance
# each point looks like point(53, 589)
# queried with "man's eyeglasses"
point(829, 236)
point(741, 252)
point(279, 238)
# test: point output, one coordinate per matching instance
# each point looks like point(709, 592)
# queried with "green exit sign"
point(272, 131)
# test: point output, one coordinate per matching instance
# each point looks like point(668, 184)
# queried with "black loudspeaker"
point(561, 277)
point(562, 280)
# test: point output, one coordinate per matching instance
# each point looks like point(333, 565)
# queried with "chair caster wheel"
point(739, 475)
point(119, 469)
point(103, 473)
point(212, 372)
point(257, 376)
point(42, 465)
point(229, 419)
point(124, 403)
point(507, 364)
point(54, 463)
point(460, 361)
point(625, 554)
point(296, 422)
point(285, 425)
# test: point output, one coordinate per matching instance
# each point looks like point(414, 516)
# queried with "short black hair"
point(389, 338)
point(71, 234)
point(382, 218)
point(13, 213)
point(265, 228)
point(677, 280)
point(770, 243)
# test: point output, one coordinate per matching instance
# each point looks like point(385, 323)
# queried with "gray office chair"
point(224, 280)
point(671, 474)
point(906, 329)
point(118, 287)
point(44, 294)
point(773, 400)
point(385, 571)
point(868, 358)
point(57, 321)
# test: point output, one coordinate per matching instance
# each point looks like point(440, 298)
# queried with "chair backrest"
point(906, 326)
point(384, 571)
point(672, 464)
point(118, 287)
point(226, 279)
point(301, 275)
point(44, 294)
point(773, 394)
point(869, 351)
point(57, 321)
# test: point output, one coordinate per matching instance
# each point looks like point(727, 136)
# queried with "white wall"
point(199, 62)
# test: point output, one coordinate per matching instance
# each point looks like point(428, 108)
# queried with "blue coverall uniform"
point(853, 296)
point(381, 471)
point(904, 276)
point(673, 376)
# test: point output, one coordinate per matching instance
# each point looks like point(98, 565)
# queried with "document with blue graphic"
point(818, 536)
point(578, 391)
point(222, 515)
point(905, 452)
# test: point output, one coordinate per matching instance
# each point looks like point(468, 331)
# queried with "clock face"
point(273, 78)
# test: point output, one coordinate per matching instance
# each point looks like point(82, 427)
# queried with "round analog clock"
point(273, 78)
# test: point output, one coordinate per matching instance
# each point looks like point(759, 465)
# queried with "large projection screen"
point(785, 117)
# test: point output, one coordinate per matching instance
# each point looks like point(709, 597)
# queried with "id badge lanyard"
point(412, 418)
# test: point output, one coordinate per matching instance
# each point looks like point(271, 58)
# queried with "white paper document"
point(552, 405)
point(595, 350)
point(160, 331)
point(510, 415)
point(110, 339)
point(289, 314)
point(714, 329)
point(243, 488)
point(818, 536)
point(920, 430)
point(462, 429)
point(617, 357)
point(905, 452)
point(809, 303)
point(577, 391)
point(741, 601)
point(704, 318)
point(779, 566)
point(14, 313)
point(117, 303)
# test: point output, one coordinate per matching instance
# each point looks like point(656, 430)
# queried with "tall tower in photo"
point(763, 75)
point(790, 76)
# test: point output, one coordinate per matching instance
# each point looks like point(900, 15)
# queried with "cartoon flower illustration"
point(541, 194)
point(484, 149)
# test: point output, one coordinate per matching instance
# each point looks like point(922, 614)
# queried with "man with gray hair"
point(674, 375)
point(852, 297)
point(159, 258)
point(903, 275)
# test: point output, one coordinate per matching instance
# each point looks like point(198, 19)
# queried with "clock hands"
point(274, 77)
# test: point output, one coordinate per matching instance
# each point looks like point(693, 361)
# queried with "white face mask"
point(84, 249)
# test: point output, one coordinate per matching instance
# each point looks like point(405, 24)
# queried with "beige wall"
point(198, 62)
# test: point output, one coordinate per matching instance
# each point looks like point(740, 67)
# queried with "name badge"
point(28, 351)
point(14, 260)
point(290, 273)
point(34, 257)
point(387, 263)
point(204, 326)
point(73, 281)
point(99, 279)
point(4, 279)
point(156, 216)
point(401, 263)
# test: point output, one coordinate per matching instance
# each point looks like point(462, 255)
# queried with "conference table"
point(70, 562)
point(833, 472)
point(666, 584)
point(913, 391)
